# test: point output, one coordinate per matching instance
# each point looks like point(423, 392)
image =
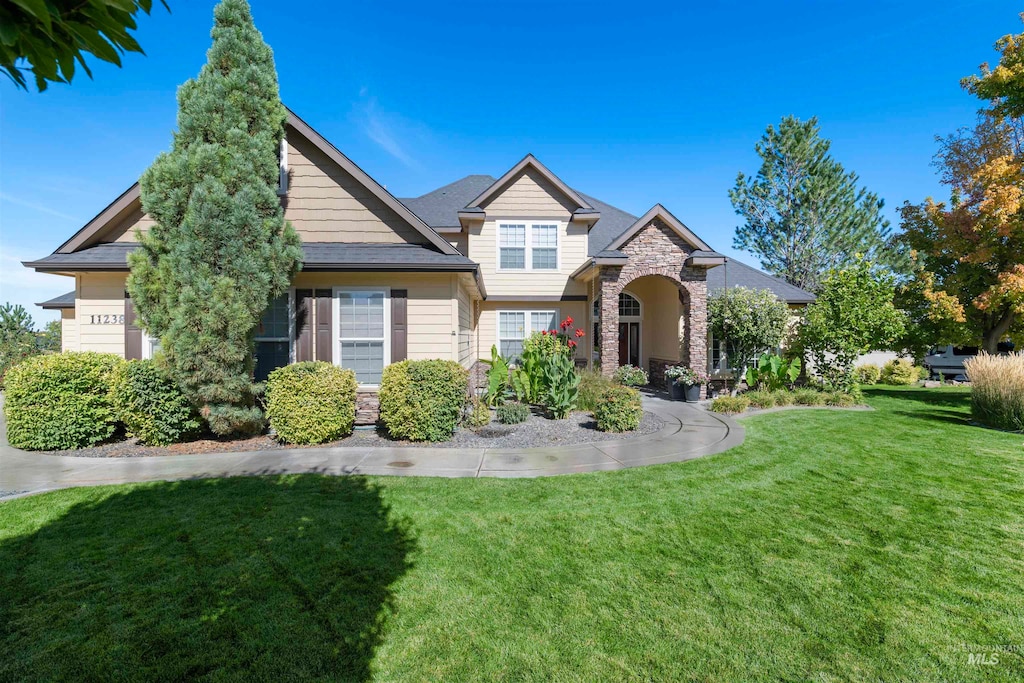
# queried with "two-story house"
point(476, 263)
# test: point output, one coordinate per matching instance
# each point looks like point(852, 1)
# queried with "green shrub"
point(60, 400)
point(997, 390)
point(592, 385)
point(784, 398)
point(512, 413)
point(631, 376)
point(840, 399)
point(618, 409)
point(311, 402)
point(808, 397)
point(479, 414)
point(868, 373)
point(150, 405)
point(421, 400)
point(761, 399)
point(730, 404)
point(900, 372)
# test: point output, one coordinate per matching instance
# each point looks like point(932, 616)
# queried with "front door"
point(629, 343)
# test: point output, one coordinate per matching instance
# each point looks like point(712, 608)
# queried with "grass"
point(875, 545)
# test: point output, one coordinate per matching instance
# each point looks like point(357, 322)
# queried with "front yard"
point(874, 545)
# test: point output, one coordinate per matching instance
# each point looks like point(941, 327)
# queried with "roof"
point(58, 302)
point(739, 274)
point(529, 161)
point(316, 256)
point(660, 212)
point(439, 209)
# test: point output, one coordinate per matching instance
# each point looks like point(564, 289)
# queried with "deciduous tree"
point(749, 321)
point(804, 214)
point(220, 248)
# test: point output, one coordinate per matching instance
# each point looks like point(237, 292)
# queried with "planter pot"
point(692, 393)
point(676, 391)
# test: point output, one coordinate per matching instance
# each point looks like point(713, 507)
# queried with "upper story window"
point(528, 246)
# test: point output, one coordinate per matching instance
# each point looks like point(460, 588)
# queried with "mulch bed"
point(536, 432)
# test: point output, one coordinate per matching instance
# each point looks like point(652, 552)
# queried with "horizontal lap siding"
point(100, 294)
point(487, 328)
point(68, 330)
point(465, 344)
point(125, 230)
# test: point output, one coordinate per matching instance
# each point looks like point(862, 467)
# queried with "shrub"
point(421, 400)
point(618, 409)
point(512, 413)
point(772, 372)
point(60, 400)
point(150, 405)
point(311, 402)
point(592, 384)
point(900, 372)
point(808, 397)
point(631, 376)
point(840, 399)
point(997, 389)
point(479, 414)
point(868, 373)
point(730, 404)
point(783, 397)
point(761, 399)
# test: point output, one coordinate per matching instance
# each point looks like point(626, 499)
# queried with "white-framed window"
point(362, 332)
point(150, 345)
point(528, 245)
point(273, 338)
point(516, 326)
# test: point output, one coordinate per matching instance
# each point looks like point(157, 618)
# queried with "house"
point(483, 261)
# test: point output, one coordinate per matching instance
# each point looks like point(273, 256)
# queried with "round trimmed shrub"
point(422, 400)
point(150, 404)
point(868, 373)
point(311, 402)
point(60, 400)
point(729, 404)
point(900, 372)
point(512, 413)
point(618, 409)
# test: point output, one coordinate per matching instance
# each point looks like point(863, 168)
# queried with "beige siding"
point(124, 231)
point(459, 241)
point(530, 196)
point(99, 310)
point(430, 305)
point(326, 204)
point(660, 318)
point(68, 330)
point(465, 306)
point(487, 327)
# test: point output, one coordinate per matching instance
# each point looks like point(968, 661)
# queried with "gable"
point(655, 238)
point(529, 194)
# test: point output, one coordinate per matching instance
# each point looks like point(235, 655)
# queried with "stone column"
point(609, 320)
point(697, 327)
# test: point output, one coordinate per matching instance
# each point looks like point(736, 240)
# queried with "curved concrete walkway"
point(689, 432)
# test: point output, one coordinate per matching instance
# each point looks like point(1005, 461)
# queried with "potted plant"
point(685, 383)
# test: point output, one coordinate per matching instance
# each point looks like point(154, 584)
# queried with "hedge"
point(60, 401)
point(422, 400)
point(311, 402)
point(150, 405)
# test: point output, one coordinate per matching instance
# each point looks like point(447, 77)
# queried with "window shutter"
point(132, 332)
point(399, 324)
point(304, 325)
point(324, 320)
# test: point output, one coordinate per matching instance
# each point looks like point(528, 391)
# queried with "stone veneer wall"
point(656, 250)
point(656, 371)
point(367, 407)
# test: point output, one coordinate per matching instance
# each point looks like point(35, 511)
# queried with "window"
point(629, 307)
point(273, 348)
point(528, 246)
point(150, 345)
point(515, 326)
point(363, 322)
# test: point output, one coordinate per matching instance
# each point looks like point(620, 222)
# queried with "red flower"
point(544, 332)
point(553, 332)
point(568, 320)
point(564, 325)
point(572, 344)
point(579, 333)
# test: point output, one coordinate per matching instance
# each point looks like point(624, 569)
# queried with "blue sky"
point(633, 103)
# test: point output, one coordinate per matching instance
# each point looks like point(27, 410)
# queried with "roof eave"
point(529, 160)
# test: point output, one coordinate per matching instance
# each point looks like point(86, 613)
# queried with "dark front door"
point(629, 344)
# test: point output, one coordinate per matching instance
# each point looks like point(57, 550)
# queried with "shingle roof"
point(317, 256)
point(62, 301)
point(739, 274)
point(439, 209)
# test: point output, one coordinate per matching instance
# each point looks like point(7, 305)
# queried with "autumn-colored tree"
point(970, 252)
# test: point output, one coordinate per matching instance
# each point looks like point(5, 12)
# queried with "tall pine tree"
point(804, 214)
point(220, 248)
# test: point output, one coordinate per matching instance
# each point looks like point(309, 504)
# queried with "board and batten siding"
point(99, 299)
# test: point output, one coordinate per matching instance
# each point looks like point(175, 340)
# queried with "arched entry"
point(630, 319)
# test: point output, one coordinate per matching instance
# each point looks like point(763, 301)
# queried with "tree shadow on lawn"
point(248, 578)
point(932, 397)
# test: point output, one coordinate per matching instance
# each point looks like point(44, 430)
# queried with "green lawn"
point(883, 545)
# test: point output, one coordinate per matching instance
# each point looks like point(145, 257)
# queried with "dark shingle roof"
point(317, 256)
point(62, 301)
point(739, 274)
point(439, 209)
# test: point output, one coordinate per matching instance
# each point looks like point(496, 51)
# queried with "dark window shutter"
point(324, 319)
point(399, 324)
point(304, 325)
point(132, 332)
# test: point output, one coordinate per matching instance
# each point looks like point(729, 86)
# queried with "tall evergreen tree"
point(220, 248)
point(804, 213)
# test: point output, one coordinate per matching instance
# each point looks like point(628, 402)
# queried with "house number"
point(107, 319)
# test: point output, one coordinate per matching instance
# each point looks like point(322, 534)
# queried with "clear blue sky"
point(635, 103)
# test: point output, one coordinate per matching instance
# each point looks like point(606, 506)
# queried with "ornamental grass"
point(997, 390)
